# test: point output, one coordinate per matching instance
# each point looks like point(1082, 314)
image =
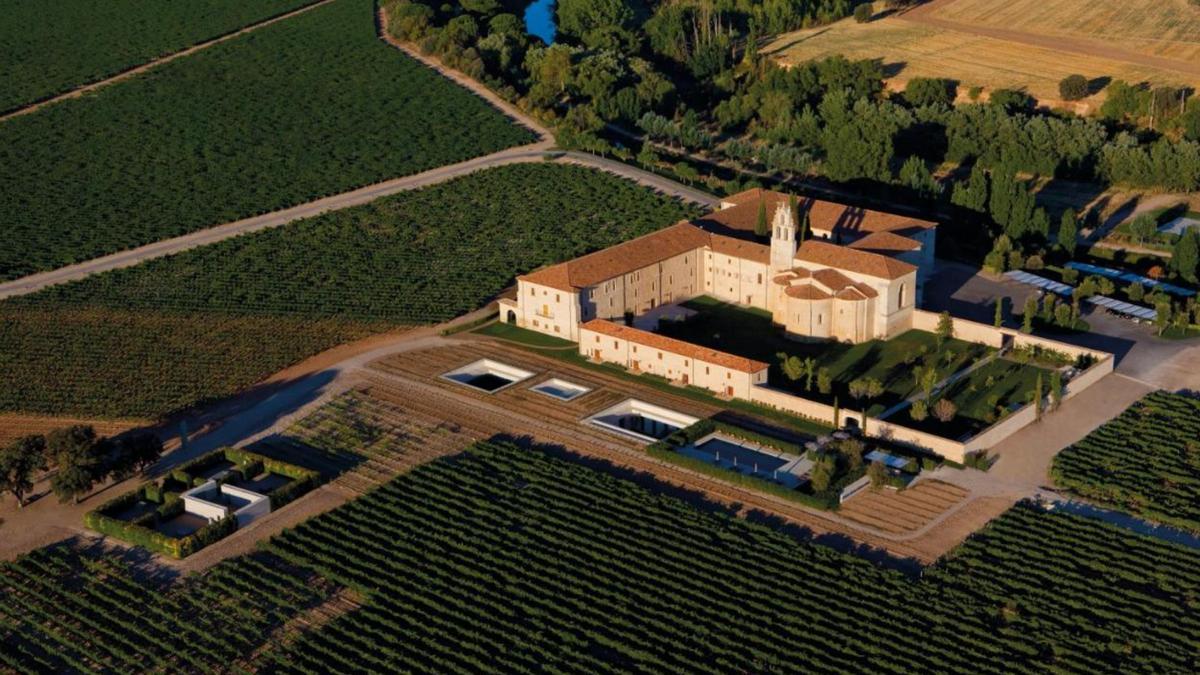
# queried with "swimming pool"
point(750, 459)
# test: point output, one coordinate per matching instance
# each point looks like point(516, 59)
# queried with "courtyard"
point(980, 383)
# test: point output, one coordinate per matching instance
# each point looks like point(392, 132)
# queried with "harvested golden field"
point(1166, 28)
point(921, 43)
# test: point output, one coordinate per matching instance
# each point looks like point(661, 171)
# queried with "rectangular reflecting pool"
point(561, 389)
point(750, 459)
point(487, 375)
point(641, 420)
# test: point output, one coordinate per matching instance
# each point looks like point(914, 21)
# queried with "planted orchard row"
point(507, 559)
point(1146, 461)
point(304, 108)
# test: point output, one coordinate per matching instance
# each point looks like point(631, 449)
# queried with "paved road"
point(138, 70)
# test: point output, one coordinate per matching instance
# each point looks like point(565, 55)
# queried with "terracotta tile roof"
point(746, 250)
point(807, 292)
point(822, 215)
point(852, 260)
point(623, 258)
point(655, 341)
point(852, 293)
point(832, 279)
point(885, 243)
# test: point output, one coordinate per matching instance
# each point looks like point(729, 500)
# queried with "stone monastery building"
point(856, 276)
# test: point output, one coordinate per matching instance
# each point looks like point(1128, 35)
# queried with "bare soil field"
point(982, 43)
point(904, 511)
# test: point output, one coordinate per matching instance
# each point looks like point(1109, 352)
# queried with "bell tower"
point(783, 238)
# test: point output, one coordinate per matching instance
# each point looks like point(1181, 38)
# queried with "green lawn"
point(308, 107)
point(507, 331)
point(750, 333)
point(999, 385)
point(50, 47)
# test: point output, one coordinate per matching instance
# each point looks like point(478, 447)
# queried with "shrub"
point(864, 12)
point(945, 410)
point(923, 91)
point(1073, 87)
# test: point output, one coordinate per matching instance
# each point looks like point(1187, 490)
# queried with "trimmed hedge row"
point(140, 531)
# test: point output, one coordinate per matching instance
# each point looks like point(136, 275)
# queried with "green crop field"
point(47, 48)
point(159, 336)
point(1146, 461)
point(304, 108)
point(517, 560)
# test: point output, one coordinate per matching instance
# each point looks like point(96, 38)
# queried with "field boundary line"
point(154, 63)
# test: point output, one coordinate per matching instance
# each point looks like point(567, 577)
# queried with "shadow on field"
point(700, 500)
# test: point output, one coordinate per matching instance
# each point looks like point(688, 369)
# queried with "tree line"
point(79, 459)
point(696, 65)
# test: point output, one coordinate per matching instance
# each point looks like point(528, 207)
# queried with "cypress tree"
point(760, 223)
point(1186, 255)
point(1068, 231)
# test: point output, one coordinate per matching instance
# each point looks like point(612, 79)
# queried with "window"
point(597, 339)
point(533, 291)
point(901, 296)
point(706, 370)
point(728, 376)
point(556, 330)
point(557, 297)
point(616, 345)
point(820, 317)
point(760, 277)
point(660, 356)
point(635, 349)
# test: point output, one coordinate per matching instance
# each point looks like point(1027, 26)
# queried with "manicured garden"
point(175, 331)
point(154, 517)
point(488, 561)
point(304, 108)
point(891, 363)
point(47, 48)
point(1146, 461)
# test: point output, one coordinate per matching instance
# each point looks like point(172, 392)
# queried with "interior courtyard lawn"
point(982, 397)
point(750, 332)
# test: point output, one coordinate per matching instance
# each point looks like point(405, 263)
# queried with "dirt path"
point(926, 14)
point(138, 70)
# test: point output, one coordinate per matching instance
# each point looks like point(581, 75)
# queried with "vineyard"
point(173, 331)
point(1146, 461)
point(516, 559)
point(62, 611)
point(47, 48)
point(505, 559)
point(308, 107)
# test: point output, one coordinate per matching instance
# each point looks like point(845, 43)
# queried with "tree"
point(1186, 255)
point(1162, 309)
point(1073, 87)
point(1068, 232)
point(919, 410)
point(821, 475)
point(852, 449)
point(824, 381)
point(944, 410)
point(1031, 306)
point(134, 454)
point(930, 91)
point(1136, 291)
point(760, 221)
point(945, 329)
point(810, 370)
point(926, 377)
point(1143, 227)
point(877, 473)
point(1056, 389)
point(837, 414)
point(998, 312)
point(18, 462)
point(1062, 315)
point(792, 366)
point(1037, 397)
point(863, 13)
point(74, 453)
point(866, 387)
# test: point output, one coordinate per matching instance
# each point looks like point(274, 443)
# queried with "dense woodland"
point(689, 75)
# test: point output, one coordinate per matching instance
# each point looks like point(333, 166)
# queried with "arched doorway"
point(511, 317)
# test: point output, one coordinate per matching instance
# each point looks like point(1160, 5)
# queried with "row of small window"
point(686, 362)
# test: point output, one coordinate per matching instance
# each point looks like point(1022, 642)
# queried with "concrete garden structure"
point(214, 501)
